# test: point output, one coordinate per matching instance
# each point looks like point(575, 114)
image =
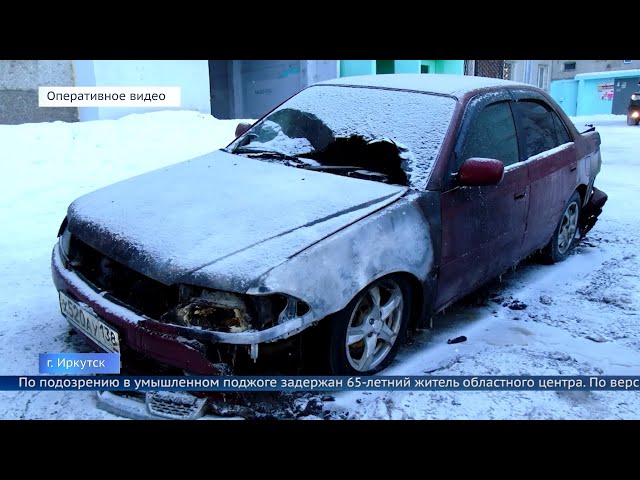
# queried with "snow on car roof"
point(424, 82)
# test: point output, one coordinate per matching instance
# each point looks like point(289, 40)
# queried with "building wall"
point(406, 66)
point(368, 67)
point(247, 89)
point(589, 66)
point(529, 71)
point(260, 85)
point(191, 75)
point(565, 93)
point(453, 67)
point(594, 92)
point(349, 68)
point(591, 99)
point(320, 70)
point(19, 82)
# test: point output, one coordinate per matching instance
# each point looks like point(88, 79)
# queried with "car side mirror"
point(241, 128)
point(476, 172)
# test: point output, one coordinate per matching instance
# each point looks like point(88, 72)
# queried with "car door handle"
point(573, 167)
point(519, 195)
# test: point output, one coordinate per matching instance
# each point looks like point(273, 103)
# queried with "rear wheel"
point(565, 236)
point(366, 334)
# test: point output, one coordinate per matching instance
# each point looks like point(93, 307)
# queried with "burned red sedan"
point(348, 215)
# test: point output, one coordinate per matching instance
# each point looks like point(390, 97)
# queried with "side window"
point(561, 131)
point(538, 127)
point(493, 135)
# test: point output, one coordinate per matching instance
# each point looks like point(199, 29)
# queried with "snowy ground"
point(582, 316)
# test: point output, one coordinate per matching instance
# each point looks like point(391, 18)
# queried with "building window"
point(424, 68)
point(568, 66)
point(507, 71)
point(542, 76)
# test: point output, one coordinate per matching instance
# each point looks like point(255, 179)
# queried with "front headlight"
point(635, 114)
point(232, 312)
point(65, 238)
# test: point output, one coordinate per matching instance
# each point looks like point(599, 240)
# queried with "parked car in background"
point(633, 113)
point(354, 211)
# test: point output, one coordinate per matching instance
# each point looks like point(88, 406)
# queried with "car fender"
point(329, 274)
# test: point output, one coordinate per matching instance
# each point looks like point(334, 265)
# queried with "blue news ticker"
point(333, 384)
point(79, 363)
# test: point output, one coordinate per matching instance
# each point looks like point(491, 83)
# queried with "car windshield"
point(391, 136)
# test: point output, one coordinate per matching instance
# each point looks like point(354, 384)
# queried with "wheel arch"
point(582, 190)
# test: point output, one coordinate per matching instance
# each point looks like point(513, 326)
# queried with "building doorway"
point(623, 89)
point(384, 66)
point(248, 89)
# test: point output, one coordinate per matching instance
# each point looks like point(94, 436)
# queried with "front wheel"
point(564, 238)
point(365, 336)
point(632, 121)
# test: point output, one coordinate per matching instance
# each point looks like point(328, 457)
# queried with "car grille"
point(175, 405)
point(157, 405)
point(143, 295)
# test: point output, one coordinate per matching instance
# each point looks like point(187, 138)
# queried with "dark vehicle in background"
point(633, 114)
point(350, 214)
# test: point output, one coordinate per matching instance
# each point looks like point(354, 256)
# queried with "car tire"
point(564, 236)
point(365, 336)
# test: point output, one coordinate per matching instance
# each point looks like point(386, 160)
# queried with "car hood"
point(220, 220)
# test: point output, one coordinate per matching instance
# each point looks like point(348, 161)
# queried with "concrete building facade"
point(192, 76)
point(224, 88)
point(19, 82)
point(568, 69)
point(533, 72)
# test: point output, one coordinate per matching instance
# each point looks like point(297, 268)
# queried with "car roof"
point(443, 84)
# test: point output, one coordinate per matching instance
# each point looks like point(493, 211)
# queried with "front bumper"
point(165, 405)
point(176, 346)
point(592, 210)
point(145, 406)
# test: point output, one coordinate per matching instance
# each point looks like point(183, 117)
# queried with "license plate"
point(94, 328)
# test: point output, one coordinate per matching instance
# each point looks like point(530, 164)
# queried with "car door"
point(482, 227)
point(550, 155)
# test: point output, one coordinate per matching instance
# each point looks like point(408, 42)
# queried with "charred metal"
point(218, 311)
point(120, 283)
point(203, 314)
point(196, 308)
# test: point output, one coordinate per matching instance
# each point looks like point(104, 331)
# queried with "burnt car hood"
point(220, 220)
